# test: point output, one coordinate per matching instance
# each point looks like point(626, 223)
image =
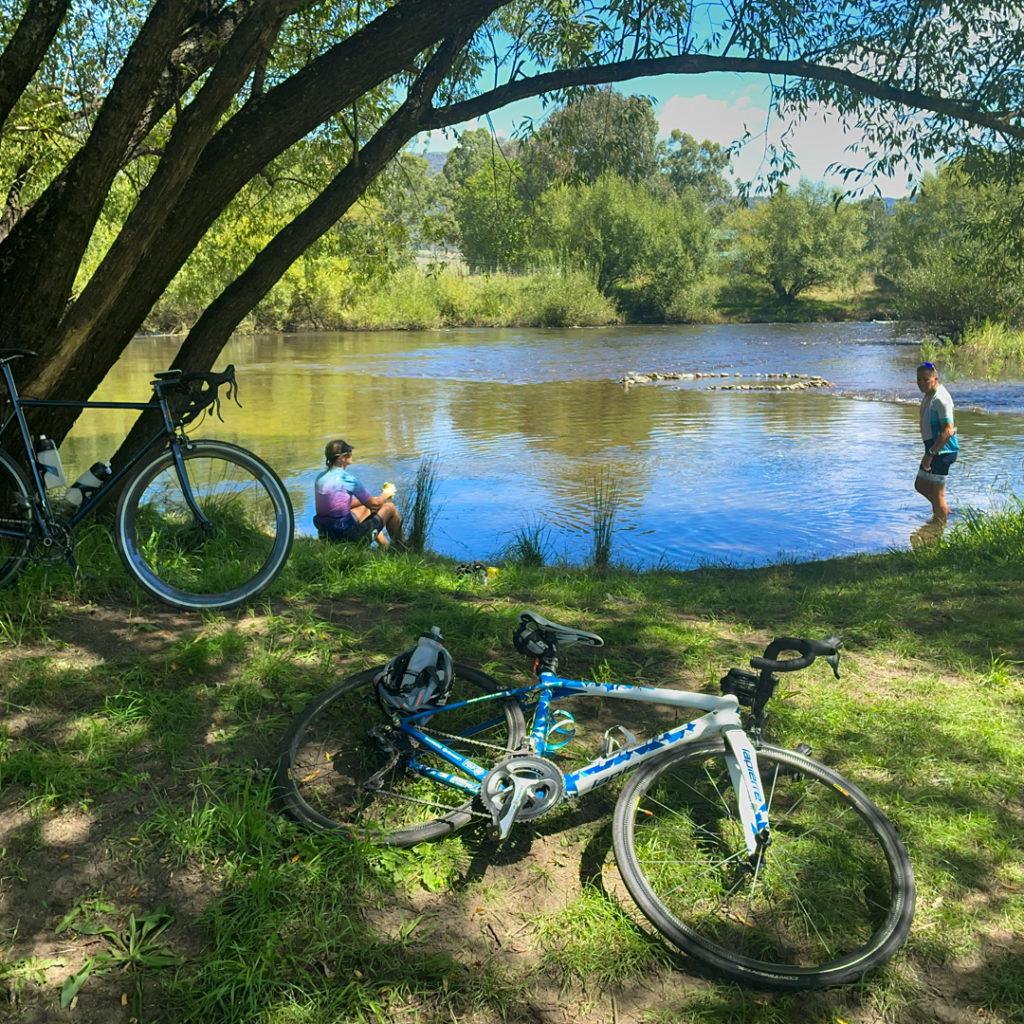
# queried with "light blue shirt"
point(936, 413)
point(334, 489)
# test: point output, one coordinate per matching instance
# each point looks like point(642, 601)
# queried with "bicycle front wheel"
point(233, 552)
point(16, 538)
point(344, 766)
point(830, 897)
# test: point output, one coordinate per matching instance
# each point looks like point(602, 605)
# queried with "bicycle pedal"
point(612, 742)
point(803, 748)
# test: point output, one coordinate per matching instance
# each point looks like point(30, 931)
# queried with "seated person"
point(345, 509)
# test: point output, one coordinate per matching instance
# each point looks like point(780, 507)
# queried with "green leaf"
point(74, 983)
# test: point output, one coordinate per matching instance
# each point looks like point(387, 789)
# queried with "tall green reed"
point(604, 496)
point(421, 508)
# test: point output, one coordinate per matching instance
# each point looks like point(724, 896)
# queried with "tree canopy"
point(165, 112)
point(803, 237)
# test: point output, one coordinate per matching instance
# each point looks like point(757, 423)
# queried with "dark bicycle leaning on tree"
point(199, 523)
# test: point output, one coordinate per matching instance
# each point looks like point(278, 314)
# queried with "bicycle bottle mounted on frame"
point(49, 462)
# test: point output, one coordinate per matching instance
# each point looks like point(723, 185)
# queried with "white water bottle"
point(49, 462)
point(424, 655)
point(85, 486)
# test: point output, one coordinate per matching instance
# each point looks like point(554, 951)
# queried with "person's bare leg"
point(936, 494)
point(392, 522)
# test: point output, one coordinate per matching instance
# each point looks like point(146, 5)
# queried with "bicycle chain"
point(466, 739)
point(438, 734)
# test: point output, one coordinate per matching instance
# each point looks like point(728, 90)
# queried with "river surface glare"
point(524, 422)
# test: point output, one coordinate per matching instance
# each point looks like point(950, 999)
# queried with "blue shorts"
point(940, 465)
point(348, 527)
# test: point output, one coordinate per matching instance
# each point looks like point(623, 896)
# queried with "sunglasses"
point(926, 366)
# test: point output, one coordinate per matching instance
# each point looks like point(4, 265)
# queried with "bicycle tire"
point(334, 745)
point(832, 897)
point(17, 541)
point(186, 565)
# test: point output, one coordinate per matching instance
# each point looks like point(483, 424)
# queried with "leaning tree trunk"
point(210, 333)
point(74, 363)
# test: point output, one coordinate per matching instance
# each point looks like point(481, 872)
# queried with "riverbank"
point(414, 299)
point(136, 742)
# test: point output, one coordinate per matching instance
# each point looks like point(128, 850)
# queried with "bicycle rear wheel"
point(342, 765)
point(194, 565)
point(16, 538)
point(832, 895)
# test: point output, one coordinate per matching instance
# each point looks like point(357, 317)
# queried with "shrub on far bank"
point(570, 299)
point(426, 298)
point(414, 298)
point(985, 351)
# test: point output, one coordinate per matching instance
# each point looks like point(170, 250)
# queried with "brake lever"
point(833, 659)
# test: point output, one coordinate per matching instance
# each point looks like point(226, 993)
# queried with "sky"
point(720, 108)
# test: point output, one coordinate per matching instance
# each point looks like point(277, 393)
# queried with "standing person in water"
point(345, 509)
point(938, 431)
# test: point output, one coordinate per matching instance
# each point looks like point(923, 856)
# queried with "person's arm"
point(938, 443)
point(359, 495)
point(376, 503)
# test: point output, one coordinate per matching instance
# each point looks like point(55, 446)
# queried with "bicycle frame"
point(42, 511)
point(721, 718)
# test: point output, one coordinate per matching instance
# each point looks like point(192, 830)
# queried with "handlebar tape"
point(806, 648)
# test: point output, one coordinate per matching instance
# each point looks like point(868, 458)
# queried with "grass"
point(603, 497)
point(417, 299)
point(421, 506)
point(135, 744)
point(987, 351)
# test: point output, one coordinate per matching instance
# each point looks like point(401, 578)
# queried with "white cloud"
point(818, 142)
point(723, 117)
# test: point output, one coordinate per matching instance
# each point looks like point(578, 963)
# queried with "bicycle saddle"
point(563, 635)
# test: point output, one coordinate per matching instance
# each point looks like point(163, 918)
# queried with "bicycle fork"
point(186, 484)
point(746, 778)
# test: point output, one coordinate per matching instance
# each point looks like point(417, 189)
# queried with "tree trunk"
point(26, 49)
point(210, 333)
point(73, 364)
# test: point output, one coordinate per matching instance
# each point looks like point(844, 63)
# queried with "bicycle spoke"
point(823, 898)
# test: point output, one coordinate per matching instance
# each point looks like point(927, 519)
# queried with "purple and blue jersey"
point(334, 490)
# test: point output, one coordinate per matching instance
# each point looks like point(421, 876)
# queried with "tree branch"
point(699, 64)
point(25, 50)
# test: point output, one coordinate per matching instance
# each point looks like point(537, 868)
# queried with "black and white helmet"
point(419, 678)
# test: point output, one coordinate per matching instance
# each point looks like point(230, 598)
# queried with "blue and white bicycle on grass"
point(757, 860)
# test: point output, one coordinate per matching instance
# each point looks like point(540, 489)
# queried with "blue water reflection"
point(522, 421)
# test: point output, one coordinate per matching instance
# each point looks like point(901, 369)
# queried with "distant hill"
point(435, 161)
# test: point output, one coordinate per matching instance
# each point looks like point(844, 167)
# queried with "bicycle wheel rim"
point(15, 520)
point(191, 565)
point(832, 897)
point(334, 747)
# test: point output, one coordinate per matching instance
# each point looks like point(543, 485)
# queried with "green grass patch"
point(136, 743)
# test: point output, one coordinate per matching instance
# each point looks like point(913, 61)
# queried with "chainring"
point(60, 544)
point(537, 782)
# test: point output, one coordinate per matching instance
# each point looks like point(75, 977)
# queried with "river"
point(522, 422)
